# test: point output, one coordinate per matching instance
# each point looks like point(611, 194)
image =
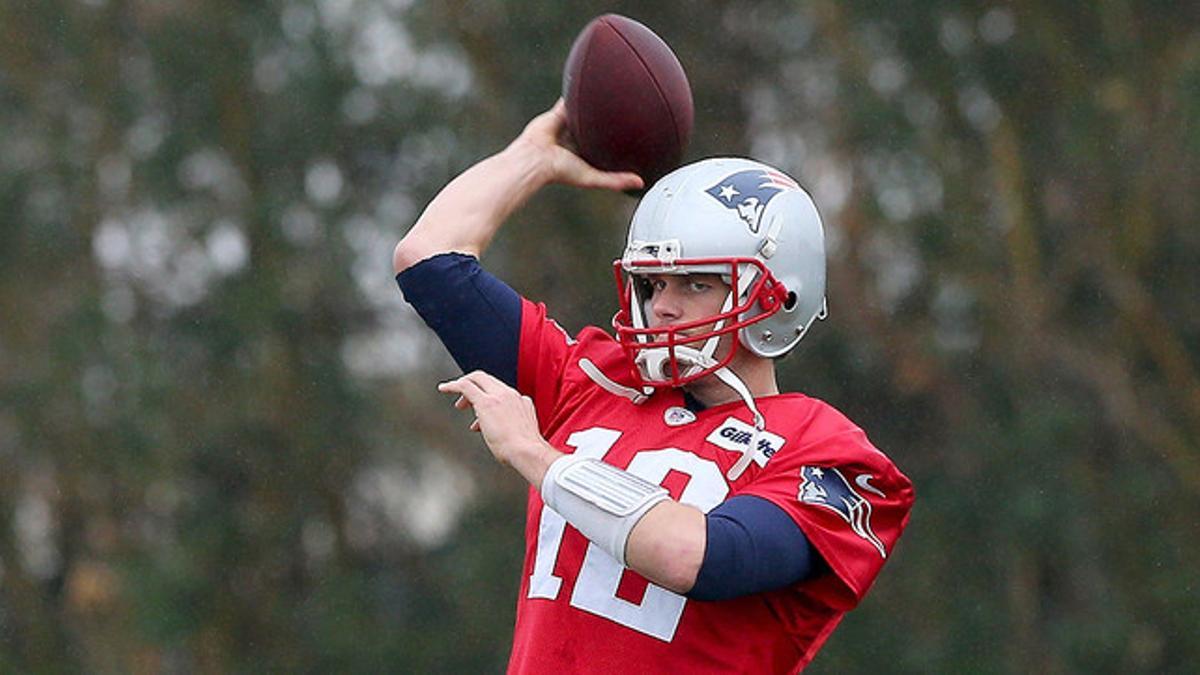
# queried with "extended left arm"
point(745, 545)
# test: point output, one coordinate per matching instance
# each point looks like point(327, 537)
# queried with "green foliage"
point(220, 449)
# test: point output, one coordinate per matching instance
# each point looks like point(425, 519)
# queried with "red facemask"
point(675, 343)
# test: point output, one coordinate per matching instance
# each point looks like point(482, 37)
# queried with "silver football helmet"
point(741, 219)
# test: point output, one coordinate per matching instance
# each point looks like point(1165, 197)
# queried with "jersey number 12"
point(596, 586)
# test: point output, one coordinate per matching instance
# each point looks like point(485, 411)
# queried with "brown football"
point(629, 105)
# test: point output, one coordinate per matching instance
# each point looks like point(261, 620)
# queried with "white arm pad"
point(600, 500)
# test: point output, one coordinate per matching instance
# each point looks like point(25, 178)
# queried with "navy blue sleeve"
point(476, 316)
point(753, 546)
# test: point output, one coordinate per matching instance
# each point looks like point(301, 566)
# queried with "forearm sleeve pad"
point(601, 501)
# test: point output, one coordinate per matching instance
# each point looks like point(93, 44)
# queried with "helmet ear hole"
point(789, 303)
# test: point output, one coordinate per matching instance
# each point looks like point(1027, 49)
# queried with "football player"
point(684, 515)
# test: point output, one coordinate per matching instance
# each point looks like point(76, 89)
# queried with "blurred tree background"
point(220, 445)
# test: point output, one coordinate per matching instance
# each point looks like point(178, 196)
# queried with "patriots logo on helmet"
point(748, 192)
point(827, 487)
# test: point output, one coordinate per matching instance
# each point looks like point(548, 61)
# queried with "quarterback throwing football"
point(684, 515)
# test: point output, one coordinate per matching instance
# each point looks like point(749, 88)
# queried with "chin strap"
point(596, 375)
point(760, 423)
point(726, 376)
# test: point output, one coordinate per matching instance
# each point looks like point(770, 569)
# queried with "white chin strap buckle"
point(603, 502)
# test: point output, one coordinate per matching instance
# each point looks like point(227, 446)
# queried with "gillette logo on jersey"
point(734, 434)
point(748, 192)
point(827, 487)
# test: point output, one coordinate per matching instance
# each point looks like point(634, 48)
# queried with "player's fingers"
point(478, 378)
point(530, 408)
point(474, 425)
point(485, 381)
point(624, 181)
point(611, 180)
point(464, 387)
point(550, 123)
point(562, 133)
point(576, 171)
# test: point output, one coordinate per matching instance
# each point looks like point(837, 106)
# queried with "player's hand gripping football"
point(507, 421)
point(547, 135)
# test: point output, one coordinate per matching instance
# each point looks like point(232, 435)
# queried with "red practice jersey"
point(581, 611)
